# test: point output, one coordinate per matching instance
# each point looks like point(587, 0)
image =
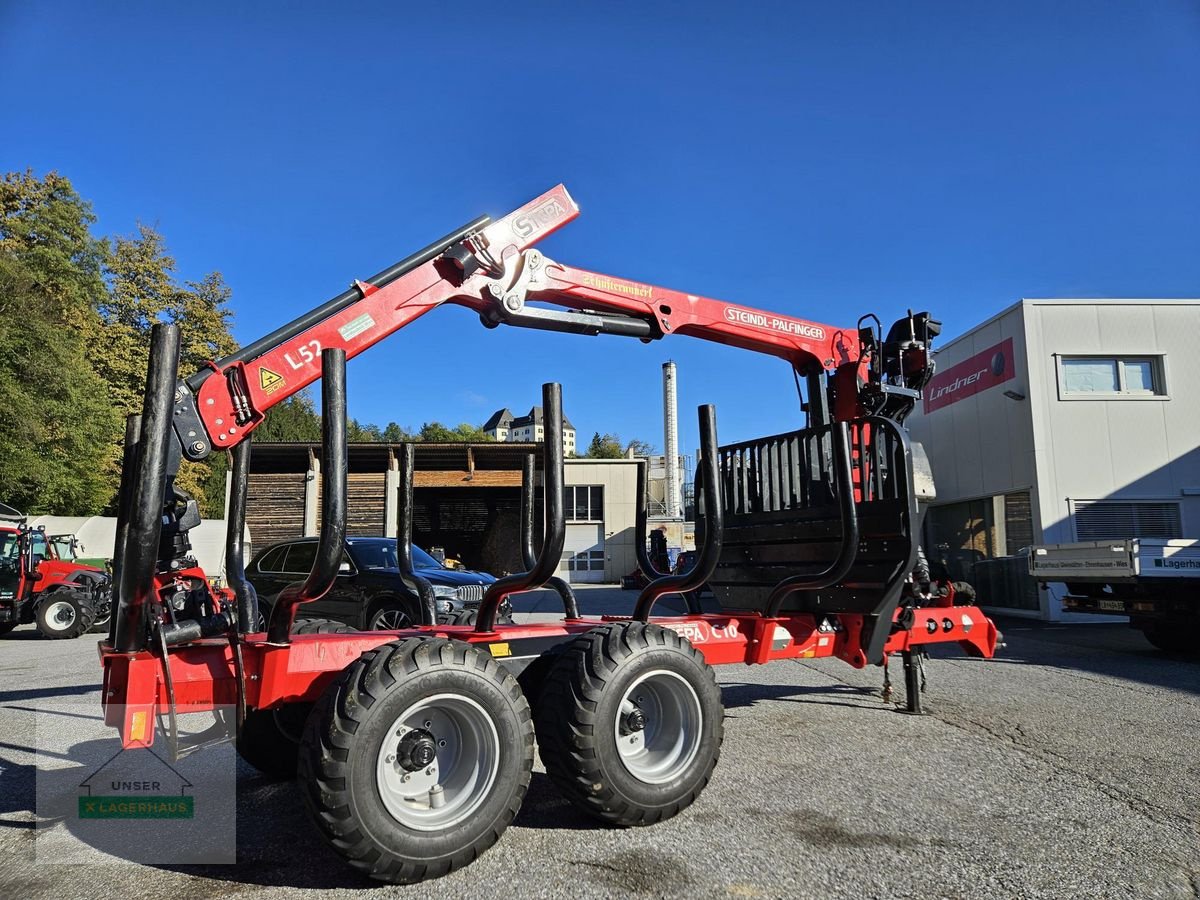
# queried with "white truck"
point(1154, 582)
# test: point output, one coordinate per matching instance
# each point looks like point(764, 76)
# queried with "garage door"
point(583, 554)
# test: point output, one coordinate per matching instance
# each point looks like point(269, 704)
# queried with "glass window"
point(584, 503)
point(272, 560)
point(1139, 376)
point(300, 558)
point(1089, 376)
point(1116, 375)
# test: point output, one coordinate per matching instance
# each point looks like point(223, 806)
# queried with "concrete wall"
point(619, 479)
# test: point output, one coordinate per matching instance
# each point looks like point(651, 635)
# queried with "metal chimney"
point(671, 441)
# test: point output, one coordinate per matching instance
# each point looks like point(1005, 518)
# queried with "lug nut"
point(197, 446)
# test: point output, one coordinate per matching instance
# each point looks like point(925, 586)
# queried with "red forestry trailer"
point(414, 747)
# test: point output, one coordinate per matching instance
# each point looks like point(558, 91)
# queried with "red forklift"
point(39, 584)
point(413, 748)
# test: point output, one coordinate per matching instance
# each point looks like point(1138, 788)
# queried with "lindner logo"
point(547, 214)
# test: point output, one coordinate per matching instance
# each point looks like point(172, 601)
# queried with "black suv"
point(370, 593)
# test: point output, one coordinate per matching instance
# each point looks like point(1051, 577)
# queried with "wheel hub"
point(417, 749)
point(633, 721)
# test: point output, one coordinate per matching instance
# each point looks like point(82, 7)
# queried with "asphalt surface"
point(1068, 767)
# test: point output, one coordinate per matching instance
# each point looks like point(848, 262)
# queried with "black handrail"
point(404, 522)
point(133, 430)
point(848, 549)
point(148, 491)
point(528, 556)
point(714, 527)
point(235, 546)
point(556, 524)
point(332, 542)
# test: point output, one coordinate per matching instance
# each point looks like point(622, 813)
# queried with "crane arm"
point(489, 267)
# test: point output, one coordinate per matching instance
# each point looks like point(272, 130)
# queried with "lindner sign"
point(984, 370)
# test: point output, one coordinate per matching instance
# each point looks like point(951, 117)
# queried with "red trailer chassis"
point(203, 675)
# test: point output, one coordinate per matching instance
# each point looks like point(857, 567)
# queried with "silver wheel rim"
point(391, 620)
point(458, 780)
point(670, 740)
point(60, 615)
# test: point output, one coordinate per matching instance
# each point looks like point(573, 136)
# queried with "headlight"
point(444, 590)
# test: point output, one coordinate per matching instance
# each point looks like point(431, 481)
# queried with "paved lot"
point(1070, 767)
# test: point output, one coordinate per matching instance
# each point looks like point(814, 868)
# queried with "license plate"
point(1111, 605)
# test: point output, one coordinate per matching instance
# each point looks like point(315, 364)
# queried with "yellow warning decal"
point(270, 381)
point(500, 649)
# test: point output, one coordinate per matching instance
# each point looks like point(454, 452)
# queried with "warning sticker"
point(270, 381)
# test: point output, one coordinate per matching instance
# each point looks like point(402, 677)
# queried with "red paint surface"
point(984, 370)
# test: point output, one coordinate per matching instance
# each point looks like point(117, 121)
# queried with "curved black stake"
point(640, 535)
point(528, 557)
point(133, 431)
point(714, 525)
point(332, 542)
point(556, 523)
point(235, 547)
point(404, 521)
point(144, 528)
point(848, 549)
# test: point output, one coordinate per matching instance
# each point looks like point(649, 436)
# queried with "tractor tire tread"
point(324, 757)
point(85, 613)
point(566, 719)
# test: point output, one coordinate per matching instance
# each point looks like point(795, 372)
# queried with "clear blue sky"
point(819, 159)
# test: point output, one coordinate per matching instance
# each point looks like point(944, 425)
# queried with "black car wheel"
point(392, 615)
point(65, 613)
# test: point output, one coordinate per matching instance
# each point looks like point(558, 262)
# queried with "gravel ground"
point(1066, 768)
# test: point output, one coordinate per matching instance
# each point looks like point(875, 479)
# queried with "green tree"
point(142, 291)
point(295, 419)
point(394, 434)
point(606, 446)
point(55, 417)
point(56, 423)
point(462, 433)
point(638, 447)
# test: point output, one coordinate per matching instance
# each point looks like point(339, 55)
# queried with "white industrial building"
point(1057, 421)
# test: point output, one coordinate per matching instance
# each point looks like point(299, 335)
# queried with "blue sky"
point(823, 160)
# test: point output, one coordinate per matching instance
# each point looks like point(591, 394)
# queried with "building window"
point(586, 560)
point(585, 503)
point(1111, 376)
point(1108, 520)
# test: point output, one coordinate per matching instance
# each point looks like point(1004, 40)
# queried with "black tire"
point(1173, 638)
point(269, 739)
point(393, 615)
point(102, 598)
point(64, 613)
point(533, 677)
point(344, 758)
point(580, 712)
